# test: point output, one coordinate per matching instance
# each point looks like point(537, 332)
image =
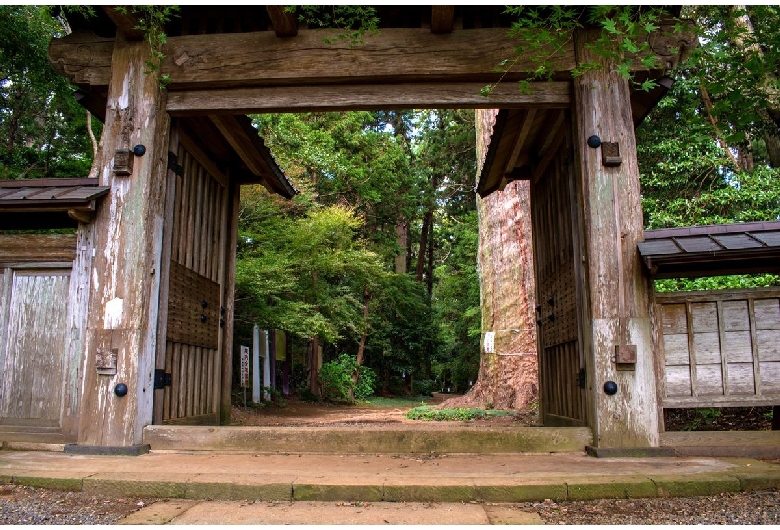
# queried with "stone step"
point(368, 439)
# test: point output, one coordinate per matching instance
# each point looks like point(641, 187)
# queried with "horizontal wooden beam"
point(555, 94)
point(37, 247)
point(242, 60)
point(262, 59)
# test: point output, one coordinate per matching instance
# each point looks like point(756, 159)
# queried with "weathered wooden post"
point(618, 340)
point(125, 281)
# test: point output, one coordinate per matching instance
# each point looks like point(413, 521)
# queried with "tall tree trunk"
point(314, 359)
point(314, 353)
point(362, 345)
point(427, 230)
point(508, 375)
point(402, 234)
point(423, 242)
point(429, 276)
point(773, 148)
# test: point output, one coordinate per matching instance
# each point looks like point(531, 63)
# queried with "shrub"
point(428, 413)
point(337, 383)
point(424, 387)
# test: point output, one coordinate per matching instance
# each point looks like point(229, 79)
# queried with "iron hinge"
point(581, 378)
point(162, 379)
point(173, 164)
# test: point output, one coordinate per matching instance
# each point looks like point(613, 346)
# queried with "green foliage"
point(706, 164)
point(428, 413)
point(344, 380)
point(43, 129)
point(152, 20)
point(305, 275)
point(354, 21)
point(737, 57)
point(710, 283)
point(456, 304)
point(306, 395)
point(425, 387)
point(395, 402)
point(402, 335)
point(542, 34)
point(702, 418)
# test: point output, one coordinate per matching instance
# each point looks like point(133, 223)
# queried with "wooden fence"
point(718, 348)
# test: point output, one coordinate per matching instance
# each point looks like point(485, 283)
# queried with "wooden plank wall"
point(198, 245)
point(719, 348)
point(33, 351)
point(563, 401)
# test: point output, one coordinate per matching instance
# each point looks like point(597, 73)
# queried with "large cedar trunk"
point(508, 376)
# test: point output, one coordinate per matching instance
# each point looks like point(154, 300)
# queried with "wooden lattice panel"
point(720, 348)
point(559, 318)
point(189, 322)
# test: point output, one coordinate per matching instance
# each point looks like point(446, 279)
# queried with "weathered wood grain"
point(16, 248)
point(737, 363)
point(334, 98)
point(618, 294)
point(227, 268)
point(678, 380)
point(78, 308)
point(124, 293)
point(394, 54)
point(767, 314)
point(35, 351)
point(676, 349)
point(704, 317)
point(262, 59)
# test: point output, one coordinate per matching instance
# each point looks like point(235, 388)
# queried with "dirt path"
point(304, 413)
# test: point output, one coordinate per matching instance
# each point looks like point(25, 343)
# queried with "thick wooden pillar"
point(617, 312)
point(125, 277)
point(233, 202)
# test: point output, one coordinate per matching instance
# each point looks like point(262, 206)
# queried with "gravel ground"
point(725, 508)
point(23, 505)
point(20, 505)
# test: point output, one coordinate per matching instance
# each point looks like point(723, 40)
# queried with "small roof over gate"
point(742, 248)
point(48, 203)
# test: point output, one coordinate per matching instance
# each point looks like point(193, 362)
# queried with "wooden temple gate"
point(586, 209)
point(559, 289)
point(189, 362)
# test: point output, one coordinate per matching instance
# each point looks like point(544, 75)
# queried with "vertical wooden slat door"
point(555, 235)
point(32, 350)
point(196, 225)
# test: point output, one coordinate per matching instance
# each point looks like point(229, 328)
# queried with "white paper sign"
point(489, 342)
point(244, 366)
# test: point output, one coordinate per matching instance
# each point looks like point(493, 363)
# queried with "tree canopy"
point(44, 130)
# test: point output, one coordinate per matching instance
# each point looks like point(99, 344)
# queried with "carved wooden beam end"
point(285, 24)
point(442, 19)
point(126, 23)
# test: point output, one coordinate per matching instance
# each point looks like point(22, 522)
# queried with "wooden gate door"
point(556, 262)
point(33, 323)
point(189, 362)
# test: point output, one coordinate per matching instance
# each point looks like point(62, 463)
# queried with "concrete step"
point(750, 444)
point(423, 439)
point(373, 478)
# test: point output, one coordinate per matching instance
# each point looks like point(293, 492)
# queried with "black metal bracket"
point(581, 378)
point(173, 164)
point(162, 379)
